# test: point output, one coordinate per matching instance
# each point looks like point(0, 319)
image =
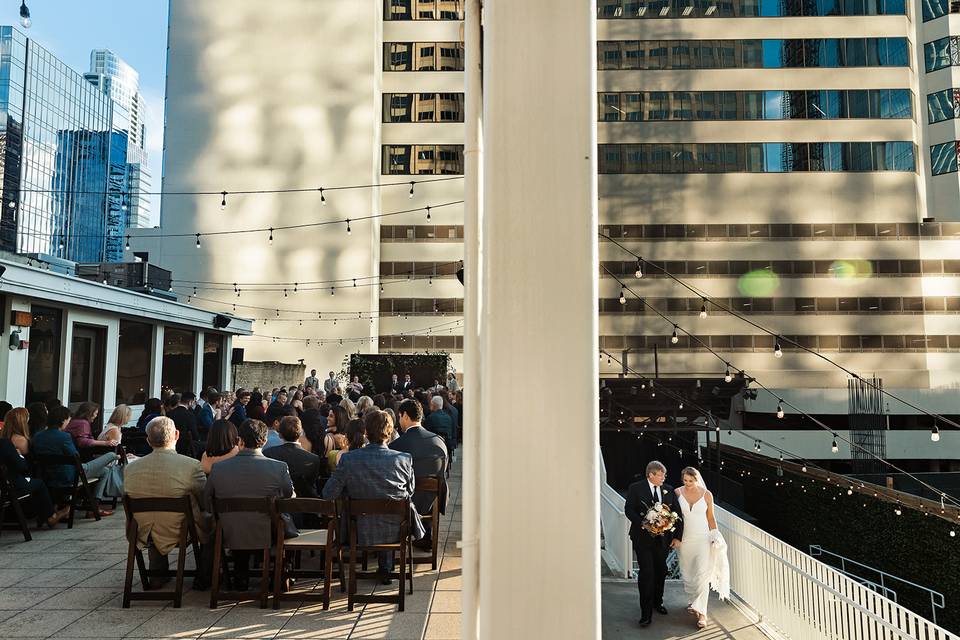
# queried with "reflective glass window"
point(943, 158)
point(134, 362)
point(940, 106)
point(936, 54)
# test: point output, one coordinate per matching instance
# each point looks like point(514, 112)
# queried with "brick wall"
point(267, 375)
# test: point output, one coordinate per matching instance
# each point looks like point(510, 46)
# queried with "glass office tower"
point(59, 151)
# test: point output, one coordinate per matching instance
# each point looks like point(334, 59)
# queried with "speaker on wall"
point(220, 321)
point(237, 356)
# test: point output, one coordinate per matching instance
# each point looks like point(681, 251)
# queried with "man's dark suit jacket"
point(249, 474)
point(396, 387)
point(304, 467)
point(639, 501)
point(429, 459)
point(186, 423)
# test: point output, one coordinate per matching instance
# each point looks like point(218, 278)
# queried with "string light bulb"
point(935, 434)
point(270, 239)
point(428, 214)
point(728, 377)
point(332, 291)
point(411, 187)
point(430, 281)
point(198, 241)
point(833, 446)
point(623, 297)
point(223, 200)
point(780, 409)
point(349, 231)
point(127, 246)
point(639, 272)
point(777, 351)
point(323, 200)
point(674, 338)
point(25, 15)
point(703, 309)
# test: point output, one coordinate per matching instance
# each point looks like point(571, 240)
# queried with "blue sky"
point(136, 30)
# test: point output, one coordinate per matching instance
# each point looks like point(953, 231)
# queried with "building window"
point(422, 107)
point(768, 157)
point(422, 159)
point(179, 348)
point(423, 56)
point(941, 53)
point(943, 105)
point(754, 105)
point(659, 9)
point(759, 54)
point(212, 360)
point(423, 10)
point(933, 9)
point(134, 360)
point(43, 356)
point(943, 158)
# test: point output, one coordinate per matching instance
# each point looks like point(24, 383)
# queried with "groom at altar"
point(652, 548)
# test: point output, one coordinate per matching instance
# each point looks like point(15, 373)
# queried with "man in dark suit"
point(304, 466)
point(395, 385)
point(407, 383)
point(429, 458)
point(651, 550)
point(249, 474)
point(375, 472)
point(179, 410)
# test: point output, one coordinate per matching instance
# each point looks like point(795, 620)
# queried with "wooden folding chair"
point(188, 536)
point(221, 506)
point(325, 540)
point(10, 500)
point(81, 493)
point(432, 485)
point(386, 507)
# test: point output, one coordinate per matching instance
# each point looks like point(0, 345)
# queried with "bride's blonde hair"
point(690, 471)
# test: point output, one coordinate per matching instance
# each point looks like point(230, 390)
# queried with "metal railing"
point(937, 601)
point(617, 549)
point(805, 599)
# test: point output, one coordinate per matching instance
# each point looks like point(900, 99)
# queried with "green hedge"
point(912, 546)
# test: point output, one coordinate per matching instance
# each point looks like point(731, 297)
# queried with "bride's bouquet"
point(660, 520)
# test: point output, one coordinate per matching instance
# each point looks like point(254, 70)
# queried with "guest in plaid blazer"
point(375, 472)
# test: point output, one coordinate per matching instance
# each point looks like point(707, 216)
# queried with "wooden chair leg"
point(402, 590)
point(343, 575)
point(142, 569)
point(352, 580)
point(327, 576)
point(278, 573)
point(215, 581)
point(128, 577)
point(265, 579)
point(181, 567)
point(24, 527)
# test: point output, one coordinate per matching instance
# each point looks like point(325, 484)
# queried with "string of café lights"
point(777, 352)
point(426, 331)
point(781, 402)
point(296, 287)
point(758, 443)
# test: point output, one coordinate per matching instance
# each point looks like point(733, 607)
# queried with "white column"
point(13, 364)
point(156, 362)
point(539, 503)
point(226, 371)
point(198, 364)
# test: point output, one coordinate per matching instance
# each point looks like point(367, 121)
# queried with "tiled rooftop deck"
point(68, 584)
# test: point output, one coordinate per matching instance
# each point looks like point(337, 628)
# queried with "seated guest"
point(208, 415)
point(424, 400)
point(296, 401)
point(81, 427)
point(5, 408)
point(380, 401)
point(165, 474)
point(337, 420)
point(342, 444)
point(394, 422)
point(16, 429)
point(335, 397)
point(351, 408)
point(449, 409)
point(240, 407)
point(273, 425)
point(304, 466)
point(279, 403)
point(354, 386)
point(38, 416)
point(364, 404)
point(151, 409)
point(223, 442)
point(429, 457)
point(256, 408)
point(180, 411)
point(24, 483)
point(440, 423)
point(55, 441)
point(356, 438)
point(314, 424)
point(249, 474)
point(376, 472)
point(113, 430)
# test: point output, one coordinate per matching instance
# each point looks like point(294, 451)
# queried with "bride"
point(703, 552)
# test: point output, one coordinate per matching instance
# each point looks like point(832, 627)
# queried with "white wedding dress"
point(702, 556)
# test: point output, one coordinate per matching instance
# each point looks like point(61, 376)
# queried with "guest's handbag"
point(112, 482)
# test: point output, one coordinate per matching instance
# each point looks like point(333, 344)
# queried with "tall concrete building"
point(369, 93)
point(121, 82)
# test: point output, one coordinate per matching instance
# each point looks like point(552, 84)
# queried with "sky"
point(136, 30)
